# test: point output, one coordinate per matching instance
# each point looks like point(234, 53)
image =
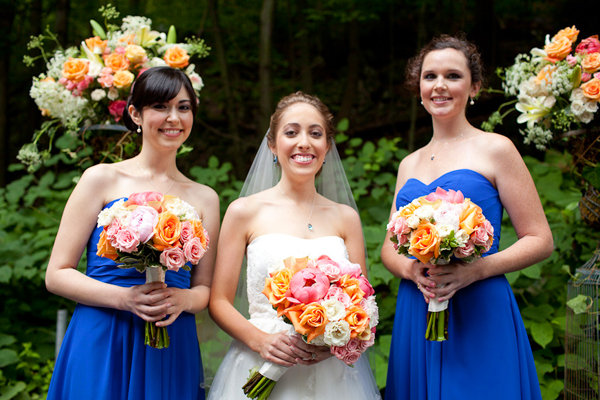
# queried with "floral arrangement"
point(330, 303)
point(556, 88)
point(435, 229)
point(152, 233)
point(88, 84)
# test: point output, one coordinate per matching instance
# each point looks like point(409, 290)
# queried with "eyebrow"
point(295, 124)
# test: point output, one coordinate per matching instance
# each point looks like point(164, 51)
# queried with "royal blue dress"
point(487, 354)
point(103, 355)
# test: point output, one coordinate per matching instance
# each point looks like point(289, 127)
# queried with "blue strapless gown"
point(487, 354)
point(103, 355)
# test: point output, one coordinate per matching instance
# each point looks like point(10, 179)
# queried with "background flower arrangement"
point(88, 84)
point(557, 88)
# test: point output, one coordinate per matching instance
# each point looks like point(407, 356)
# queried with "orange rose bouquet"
point(436, 229)
point(557, 87)
point(329, 303)
point(152, 233)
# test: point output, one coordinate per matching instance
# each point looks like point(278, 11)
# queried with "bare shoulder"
point(496, 146)
point(243, 208)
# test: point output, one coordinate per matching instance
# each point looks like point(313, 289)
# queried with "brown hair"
point(300, 97)
point(460, 43)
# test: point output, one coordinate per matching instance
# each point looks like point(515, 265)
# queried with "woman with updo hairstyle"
point(487, 354)
point(284, 211)
point(103, 355)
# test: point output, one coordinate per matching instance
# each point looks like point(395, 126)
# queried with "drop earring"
point(139, 129)
point(472, 101)
point(274, 159)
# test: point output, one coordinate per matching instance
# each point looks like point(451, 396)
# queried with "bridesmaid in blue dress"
point(487, 354)
point(103, 355)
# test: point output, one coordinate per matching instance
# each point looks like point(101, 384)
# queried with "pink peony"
point(349, 268)
point(337, 293)
point(142, 198)
point(450, 196)
point(193, 250)
point(116, 108)
point(172, 258)
point(308, 285)
point(365, 286)
point(329, 268)
point(465, 251)
point(127, 240)
point(143, 219)
point(588, 45)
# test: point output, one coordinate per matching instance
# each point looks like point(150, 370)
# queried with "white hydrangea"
point(183, 210)
point(582, 108)
point(59, 102)
point(538, 136)
point(133, 23)
point(561, 80)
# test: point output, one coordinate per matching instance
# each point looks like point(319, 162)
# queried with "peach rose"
point(591, 63)
point(309, 320)
point(123, 79)
point(176, 57)
point(358, 319)
point(558, 49)
point(167, 231)
point(545, 74)
point(95, 44)
point(470, 218)
point(570, 33)
point(351, 286)
point(105, 249)
point(591, 89)
point(116, 62)
point(425, 243)
point(75, 69)
point(135, 54)
point(276, 287)
point(295, 264)
point(127, 39)
point(200, 232)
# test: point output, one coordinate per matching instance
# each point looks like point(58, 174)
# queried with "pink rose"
point(585, 77)
point(112, 230)
point(142, 198)
point(399, 227)
point(143, 219)
point(480, 237)
point(187, 232)
point(450, 196)
point(365, 344)
point(349, 268)
point(329, 268)
point(588, 45)
point(193, 250)
point(365, 286)
point(465, 251)
point(106, 78)
point(572, 61)
point(349, 354)
point(337, 293)
point(488, 227)
point(116, 108)
point(172, 258)
point(308, 285)
point(127, 240)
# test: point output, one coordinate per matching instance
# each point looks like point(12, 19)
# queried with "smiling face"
point(445, 83)
point(300, 141)
point(166, 123)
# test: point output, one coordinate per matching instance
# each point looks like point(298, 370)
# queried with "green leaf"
point(97, 29)
point(11, 391)
point(542, 333)
point(552, 390)
point(343, 125)
point(172, 35)
point(6, 340)
point(7, 357)
point(5, 274)
point(533, 272)
point(580, 303)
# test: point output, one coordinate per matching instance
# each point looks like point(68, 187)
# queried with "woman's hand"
point(450, 278)
point(423, 281)
point(308, 354)
point(279, 348)
point(147, 301)
point(176, 300)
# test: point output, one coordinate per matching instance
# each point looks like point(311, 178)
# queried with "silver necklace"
point(151, 180)
point(312, 207)
point(446, 142)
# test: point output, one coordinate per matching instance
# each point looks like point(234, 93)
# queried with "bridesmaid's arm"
point(77, 224)
point(353, 237)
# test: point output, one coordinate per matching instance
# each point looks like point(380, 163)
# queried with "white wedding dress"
point(329, 379)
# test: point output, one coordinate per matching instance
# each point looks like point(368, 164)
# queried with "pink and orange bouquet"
point(329, 303)
point(152, 233)
point(436, 229)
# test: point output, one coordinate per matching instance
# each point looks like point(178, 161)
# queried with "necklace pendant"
point(432, 157)
point(310, 227)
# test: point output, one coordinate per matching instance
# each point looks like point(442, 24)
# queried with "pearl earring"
point(472, 101)
point(421, 101)
point(139, 129)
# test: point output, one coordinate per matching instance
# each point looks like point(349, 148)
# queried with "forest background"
point(352, 55)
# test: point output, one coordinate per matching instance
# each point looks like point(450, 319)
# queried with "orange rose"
point(558, 49)
point(591, 63)
point(127, 39)
point(123, 79)
point(135, 54)
point(351, 286)
point(545, 74)
point(570, 33)
point(591, 89)
point(295, 264)
point(75, 69)
point(425, 243)
point(358, 319)
point(470, 217)
point(176, 57)
point(116, 62)
point(198, 230)
point(276, 287)
point(410, 208)
point(105, 249)
point(95, 44)
point(167, 231)
point(308, 319)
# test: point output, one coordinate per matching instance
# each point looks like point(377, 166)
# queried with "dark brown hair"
point(301, 97)
point(458, 42)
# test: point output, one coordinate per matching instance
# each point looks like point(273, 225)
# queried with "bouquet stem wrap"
point(437, 321)
point(156, 337)
point(262, 381)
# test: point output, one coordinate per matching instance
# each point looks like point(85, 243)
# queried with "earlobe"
point(135, 115)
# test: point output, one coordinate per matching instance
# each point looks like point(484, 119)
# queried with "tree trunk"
point(62, 21)
point(6, 20)
point(306, 79)
point(352, 75)
point(414, 109)
point(264, 57)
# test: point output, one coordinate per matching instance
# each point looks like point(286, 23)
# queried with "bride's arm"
point(234, 235)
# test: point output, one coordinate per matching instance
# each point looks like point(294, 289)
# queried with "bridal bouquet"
point(435, 229)
point(152, 233)
point(557, 87)
point(330, 303)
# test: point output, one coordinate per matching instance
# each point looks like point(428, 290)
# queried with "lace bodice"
point(266, 253)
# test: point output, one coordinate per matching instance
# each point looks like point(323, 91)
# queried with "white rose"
point(337, 333)
point(461, 237)
point(412, 222)
point(334, 309)
point(577, 108)
point(113, 93)
point(98, 94)
point(444, 230)
point(586, 117)
point(591, 106)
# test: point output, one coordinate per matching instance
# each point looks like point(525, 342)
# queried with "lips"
point(171, 132)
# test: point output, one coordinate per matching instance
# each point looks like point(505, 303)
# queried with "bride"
point(274, 220)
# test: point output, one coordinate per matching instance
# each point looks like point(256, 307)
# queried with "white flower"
point(533, 108)
point(59, 102)
point(586, 117)
point(337, 333)
point(183, 210)
point(370, 306)
point(156, 62)
point(334, 309)
point(108, 214)
point(448, 214)
point(98, 94)
point(318, 341)
point(412, 222)
point(113, 93)
point(424, 212)
point(443, 230)
point(461, 237)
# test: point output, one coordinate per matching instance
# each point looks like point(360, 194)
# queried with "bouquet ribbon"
point(156, 337)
